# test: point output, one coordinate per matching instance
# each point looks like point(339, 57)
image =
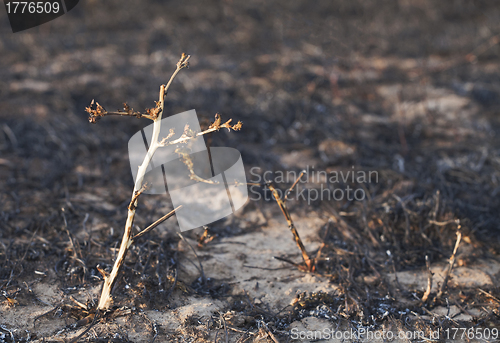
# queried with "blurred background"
point(409, 88)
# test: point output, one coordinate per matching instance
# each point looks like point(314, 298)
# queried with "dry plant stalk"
point(429, 280)
point(154, 114)
point(310, 263)
point(451, 263)
point(281, 203)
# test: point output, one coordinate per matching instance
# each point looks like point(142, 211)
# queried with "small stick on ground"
point(451, 263)
point(489, 295)
point(429, 280)
point(155, 224)
point(481, 49)
point(294, 184)
point(281, 203)
point(92, 320)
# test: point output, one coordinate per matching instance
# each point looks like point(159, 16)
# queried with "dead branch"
point(136, 195)
point(155, 224)
point(293, 186)
point(429, 280)
point(481, 49)
point(451, 263)
point(305, 256)
point(186, 159)
point(128, 238)
point(98, 111)
point(310, 262)
point(189, 134)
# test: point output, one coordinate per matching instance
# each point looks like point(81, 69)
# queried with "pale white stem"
point(185, 138)
point(110, 280)
point(105, 300)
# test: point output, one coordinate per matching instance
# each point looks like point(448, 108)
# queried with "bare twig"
point(305, 256)
point(186, 159)
point(96, 111)
point(489, 295)
point(270, 334)
point(189, 134)
point(136, 196)
point(128, 238)
point(92, 320)
point(451, 263)
point(155, 224)
point(293, 186)
point(226, 336)
point(429, 280)
point(481, 49)
point(453, 221)
point(310, 262)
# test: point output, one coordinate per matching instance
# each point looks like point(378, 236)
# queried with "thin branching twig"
point(96, 111)
point(128, 238)
point(429, 280)
point(281, 203)
point(450, 264)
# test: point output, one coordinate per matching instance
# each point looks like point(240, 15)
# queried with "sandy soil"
point(246, 262)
